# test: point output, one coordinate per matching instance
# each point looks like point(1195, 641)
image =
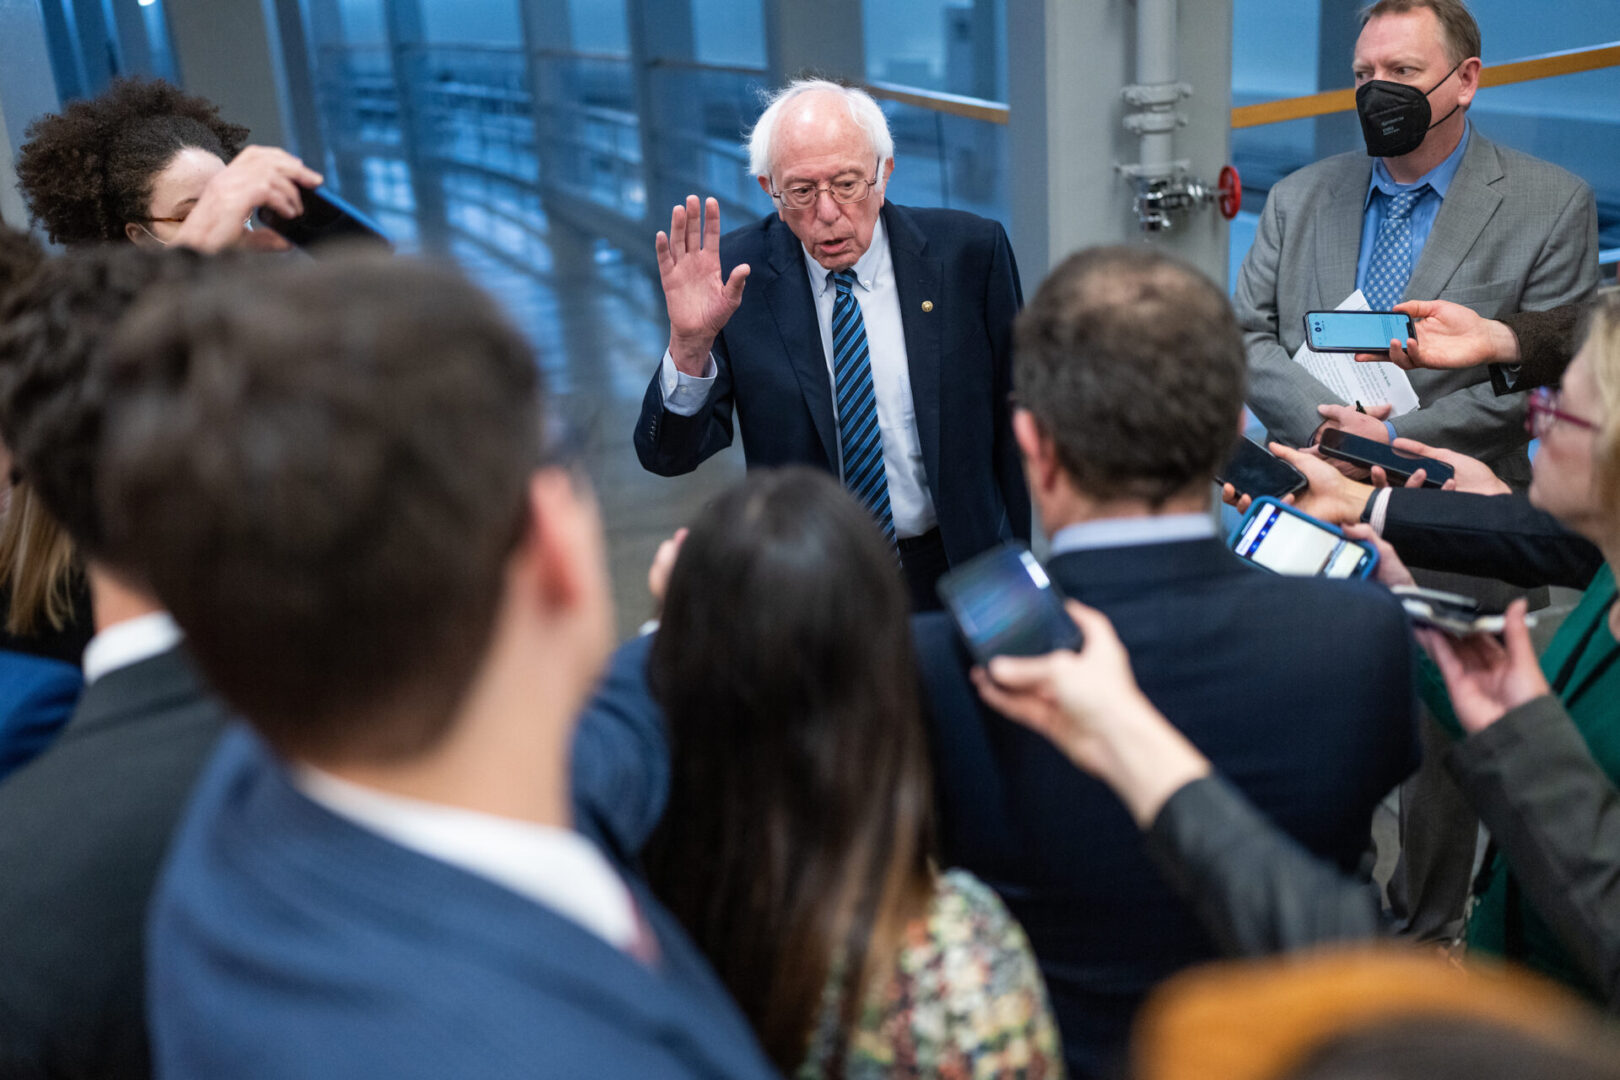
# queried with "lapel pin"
point(928, 305)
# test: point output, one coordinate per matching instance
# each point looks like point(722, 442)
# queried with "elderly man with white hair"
point(846, 332)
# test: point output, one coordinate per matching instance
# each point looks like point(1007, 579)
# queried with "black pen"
point(1360, 410)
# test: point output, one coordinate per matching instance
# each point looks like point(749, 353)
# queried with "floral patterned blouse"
point(966, 1000)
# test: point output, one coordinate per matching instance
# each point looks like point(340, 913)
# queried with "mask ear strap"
point(1443, 79)
point(1437, 86)
point(165, 243)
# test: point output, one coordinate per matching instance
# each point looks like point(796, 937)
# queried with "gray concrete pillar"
point(826, 37)
point(406, 35)
point(660, 30)
point(223, 50)
point(27, 90)
point(1066, 135)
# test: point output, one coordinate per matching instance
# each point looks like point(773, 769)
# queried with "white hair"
point(862, 109)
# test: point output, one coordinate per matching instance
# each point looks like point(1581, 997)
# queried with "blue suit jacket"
point(36, 698)
point(772, 370)
point(620, 761)
point(288, 942)
point(1300, 691)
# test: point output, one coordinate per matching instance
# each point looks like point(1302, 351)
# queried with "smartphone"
point(1457, 615)
point(1005, 605)
point(1253, 470)
point(1343, 446)
point(1356, 331)
point(326, 218)
point(1279, 538)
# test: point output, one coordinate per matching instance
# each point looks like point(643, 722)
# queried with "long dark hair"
point(799, 826)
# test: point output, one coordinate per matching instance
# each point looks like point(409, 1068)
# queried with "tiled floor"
point(597, 322)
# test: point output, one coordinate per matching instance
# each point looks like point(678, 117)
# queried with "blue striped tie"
point(860, 439)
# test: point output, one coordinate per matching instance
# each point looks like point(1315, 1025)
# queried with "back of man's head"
point(324, 470)
point(1133, 365)
point(54, 329)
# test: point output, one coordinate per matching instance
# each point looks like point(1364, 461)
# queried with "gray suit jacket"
point(1514, 233)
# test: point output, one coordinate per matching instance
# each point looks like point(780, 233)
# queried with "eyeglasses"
point(843, 190)
point(1543, 412)
point(247, 223)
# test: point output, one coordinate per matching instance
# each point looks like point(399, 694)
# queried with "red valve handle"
point(1231, 189)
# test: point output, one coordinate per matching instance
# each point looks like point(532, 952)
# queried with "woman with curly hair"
point(141, 160)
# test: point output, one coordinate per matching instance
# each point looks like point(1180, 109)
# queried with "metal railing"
point(1547, 66)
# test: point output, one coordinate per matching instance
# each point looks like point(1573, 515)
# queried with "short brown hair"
point(1456, 22)
point(324, 470)
point(1133, 364)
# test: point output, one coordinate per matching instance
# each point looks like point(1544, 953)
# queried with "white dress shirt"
point(129, 642)
point(554, 867)
point(909, 498)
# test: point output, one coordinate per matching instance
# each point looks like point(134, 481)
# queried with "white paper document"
point(1370, 384)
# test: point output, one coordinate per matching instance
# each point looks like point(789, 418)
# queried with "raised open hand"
point(699, 302)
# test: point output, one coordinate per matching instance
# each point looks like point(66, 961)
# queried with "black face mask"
point(1395, 117)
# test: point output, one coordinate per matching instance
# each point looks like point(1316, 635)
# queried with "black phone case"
point(1356, 450)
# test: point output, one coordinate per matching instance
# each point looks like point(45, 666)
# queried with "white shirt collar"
point(867, 267)
point(129, 642)
point(555, 867)
point(1132, 532)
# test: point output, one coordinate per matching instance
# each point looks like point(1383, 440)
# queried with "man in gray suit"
point(1433, 210)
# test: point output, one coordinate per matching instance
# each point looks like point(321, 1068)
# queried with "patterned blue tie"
point(860, 439)
point(1391, 263)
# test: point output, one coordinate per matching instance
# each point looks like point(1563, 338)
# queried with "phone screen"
point(1290, 544)
point(1399, 465)
point(1361, 331)
point(1005, 605)
point(1252, 470)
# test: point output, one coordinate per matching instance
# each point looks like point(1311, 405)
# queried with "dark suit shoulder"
point(749, 243)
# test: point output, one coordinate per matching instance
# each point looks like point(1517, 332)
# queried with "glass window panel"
point(730, 32)
point(481, 22)
point(951, 45)
point(599, 26)
point(364, 22)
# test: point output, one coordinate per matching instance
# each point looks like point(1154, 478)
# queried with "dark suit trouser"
point(1439, 836)
point(923, 561)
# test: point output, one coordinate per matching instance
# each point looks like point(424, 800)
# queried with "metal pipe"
point(1156, 67)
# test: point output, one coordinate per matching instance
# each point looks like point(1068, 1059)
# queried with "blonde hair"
point(1603, 342)
point(38, 565)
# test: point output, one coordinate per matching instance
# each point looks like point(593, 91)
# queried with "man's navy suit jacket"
point(1300, 692)
point(286, 941)
point(772, 370)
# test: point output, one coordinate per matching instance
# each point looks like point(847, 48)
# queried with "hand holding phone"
point(1356, 331)
point(1451, 613)
point(1284, 540)
point(1005, 605)
point(1253, 470)
point(325, 218)
point(1397, 465)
